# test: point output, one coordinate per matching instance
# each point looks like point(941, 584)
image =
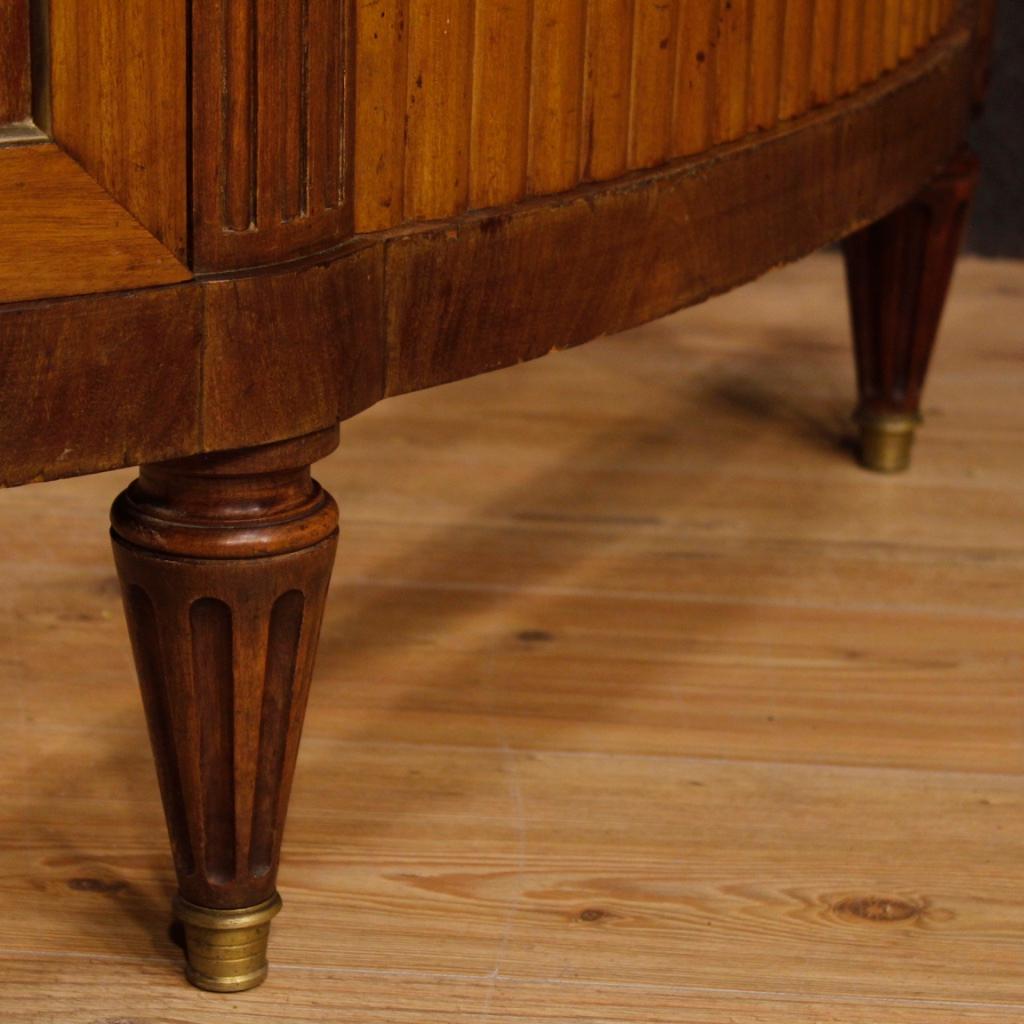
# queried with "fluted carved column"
point(898, 272)
point(224, 563)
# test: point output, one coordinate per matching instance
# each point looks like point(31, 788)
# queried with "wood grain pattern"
point(502, 101)
point(271, 124)
point(825, 28)
point(655, 37)
point(872, 46)
point(118, 86)
point(63, 234)
point(695, 97)
point(344, 998)
point(501, 82)
point(554, 141)
point(908, 16)
point(850, 36)
point(462, 105)
point(82, 393)
point(260, 381)
point(732, 70)
point(607, 93)
point(891, 34)
point(437, 105)
point(609, 769)
point(496, 286)
point(323, 335)
point(381, 72)
point(768, 30)
point(15, 62)
point(805, 37)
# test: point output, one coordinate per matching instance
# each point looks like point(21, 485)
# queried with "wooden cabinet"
point(228, 225)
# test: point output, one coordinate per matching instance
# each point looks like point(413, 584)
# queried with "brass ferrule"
point(226, 949)
point(886, 440)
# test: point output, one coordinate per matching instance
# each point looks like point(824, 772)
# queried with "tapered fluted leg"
point(224, 563)
point(898, 272)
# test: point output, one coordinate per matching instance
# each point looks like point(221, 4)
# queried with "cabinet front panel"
point(465, 104)
point(317, 119)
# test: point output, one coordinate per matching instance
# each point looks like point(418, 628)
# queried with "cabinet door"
point(93, 146)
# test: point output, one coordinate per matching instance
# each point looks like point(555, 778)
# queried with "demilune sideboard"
point(227, 225)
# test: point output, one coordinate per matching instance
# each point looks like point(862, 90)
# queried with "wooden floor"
point(637, 702)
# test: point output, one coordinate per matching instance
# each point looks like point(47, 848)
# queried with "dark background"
point(997, 223)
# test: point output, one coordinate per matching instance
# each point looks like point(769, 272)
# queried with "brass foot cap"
point(886, 440)
point(226, 949)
